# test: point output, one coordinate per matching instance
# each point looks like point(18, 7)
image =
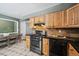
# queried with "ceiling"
point(19, 10)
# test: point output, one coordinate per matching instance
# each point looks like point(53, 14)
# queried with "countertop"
point(55, 37)
point(29, 34)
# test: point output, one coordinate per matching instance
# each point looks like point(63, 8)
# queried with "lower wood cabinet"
point(28, 42)
point(72, 51)
point(45, 46)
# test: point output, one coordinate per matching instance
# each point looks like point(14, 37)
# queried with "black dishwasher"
point(57, 47)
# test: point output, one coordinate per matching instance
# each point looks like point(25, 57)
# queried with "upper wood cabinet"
point(59, 19)
point(49, 20)
point(68, 18)
point(73, 16)
point(62, 19)
point(37, 19)
point(40, 19)
point(56, 19)
point(31, 22)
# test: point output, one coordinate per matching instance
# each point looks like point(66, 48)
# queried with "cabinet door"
point(55, 20)
point(28, 42)
point(72, 51)
point(49, 20)
point(58, 19)
point(76, 14)
point(65, 22)
point(31, 22)
point(42, 19)
point(61, 19)
point(70, 17)
point(73, 16)
point(45, 46)
point(37, 19)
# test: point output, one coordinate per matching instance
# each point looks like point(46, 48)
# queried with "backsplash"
point(63, 32)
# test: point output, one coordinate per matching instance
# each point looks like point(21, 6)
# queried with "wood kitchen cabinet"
point(45, 46)
point(59, 19)
point(56, 19)
point(28, 42)
point(40, 19)
point(49, 20)
point(68, 18)
point(37, 19)
point(72, 51)
point(31, 22)
point(64, 21)
point(73, 16)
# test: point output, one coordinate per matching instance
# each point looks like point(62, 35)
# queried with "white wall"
point(23, 28)
point(28, 29)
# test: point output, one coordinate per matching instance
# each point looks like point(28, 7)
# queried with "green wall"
point(7, 26)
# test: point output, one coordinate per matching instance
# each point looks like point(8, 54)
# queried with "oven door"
point(36, 44)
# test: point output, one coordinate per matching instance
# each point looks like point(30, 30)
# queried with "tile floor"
point(17, 49)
